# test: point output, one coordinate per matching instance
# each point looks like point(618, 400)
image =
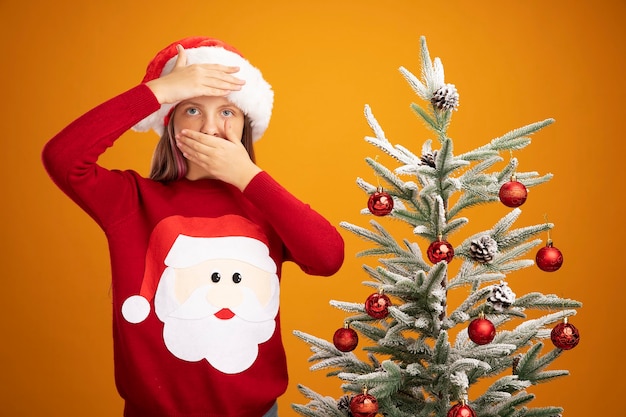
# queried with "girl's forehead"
point(209, 101)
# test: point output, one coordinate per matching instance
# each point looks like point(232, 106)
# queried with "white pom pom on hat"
point(135, 309)
point(255, 98)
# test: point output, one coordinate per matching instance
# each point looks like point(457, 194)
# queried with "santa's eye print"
point(236, 277)
point(215, 277)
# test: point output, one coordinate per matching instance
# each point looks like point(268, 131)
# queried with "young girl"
point(197, 248)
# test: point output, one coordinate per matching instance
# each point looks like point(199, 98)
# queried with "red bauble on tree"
point(481, 331)
point(440, 250)
point(364, 405)
point(345, 339)
point(513, 193)
point(461, 410)
point(377, 305)
point(380, 203)
point(565, 335)
point(549, 258)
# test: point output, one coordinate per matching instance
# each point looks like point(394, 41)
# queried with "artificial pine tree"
point(422, 354)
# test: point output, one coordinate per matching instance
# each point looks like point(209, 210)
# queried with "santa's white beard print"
point(193, 332)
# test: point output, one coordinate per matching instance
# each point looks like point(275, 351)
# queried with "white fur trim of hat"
point(189, 251)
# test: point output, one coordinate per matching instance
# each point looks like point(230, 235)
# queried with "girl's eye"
point(192, 111)
point(227, 113)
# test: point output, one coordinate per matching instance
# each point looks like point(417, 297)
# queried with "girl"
point(196, 249)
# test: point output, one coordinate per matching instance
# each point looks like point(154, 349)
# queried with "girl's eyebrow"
point(187, 102)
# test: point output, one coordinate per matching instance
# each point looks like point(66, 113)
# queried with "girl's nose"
point(210, 126)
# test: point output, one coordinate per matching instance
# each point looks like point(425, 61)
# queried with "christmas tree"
point(421, 355)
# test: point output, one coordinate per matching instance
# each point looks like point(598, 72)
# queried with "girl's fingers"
point(181, 58)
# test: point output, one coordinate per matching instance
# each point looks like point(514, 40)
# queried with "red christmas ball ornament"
point(377, 305)
point(440, 250)
point(513, 193)
point(549, 258)
point(345, 339)
point(565, 335)
point(481, 331)
point(364, 405)
point(461, 410)
point(380, 203)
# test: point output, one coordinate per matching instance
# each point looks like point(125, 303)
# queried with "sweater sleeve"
point(310, 240)
point(71, 156)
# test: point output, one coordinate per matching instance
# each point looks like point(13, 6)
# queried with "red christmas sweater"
point(157, 373)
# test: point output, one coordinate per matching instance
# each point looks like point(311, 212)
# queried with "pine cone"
point(501, 296)
point(446, 98)
point(429, 159)
point(483, 249)
point(516, 360)
point(344, 405)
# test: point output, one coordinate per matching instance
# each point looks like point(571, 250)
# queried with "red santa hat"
point(180, 242)
point(255, 99)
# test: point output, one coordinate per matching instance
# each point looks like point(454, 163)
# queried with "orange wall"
point(512, 62)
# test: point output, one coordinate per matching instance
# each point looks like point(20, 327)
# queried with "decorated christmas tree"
point(419, 354)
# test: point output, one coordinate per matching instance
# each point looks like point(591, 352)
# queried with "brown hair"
point(168, 162)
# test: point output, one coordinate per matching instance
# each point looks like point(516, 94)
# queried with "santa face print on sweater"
point(217, 297)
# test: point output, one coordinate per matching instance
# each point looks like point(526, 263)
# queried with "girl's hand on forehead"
point(188, 81)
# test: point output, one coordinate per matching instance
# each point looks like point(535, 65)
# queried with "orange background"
point(513, 63)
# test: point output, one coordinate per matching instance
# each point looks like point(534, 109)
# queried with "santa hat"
point(180, 242)
point(255, 99)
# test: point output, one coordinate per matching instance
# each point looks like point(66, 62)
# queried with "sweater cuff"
point(141, 101)
point(261, 185)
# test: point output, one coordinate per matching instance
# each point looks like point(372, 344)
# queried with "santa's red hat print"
point(255, 99)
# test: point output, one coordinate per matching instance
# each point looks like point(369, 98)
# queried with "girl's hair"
point(168, 162)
